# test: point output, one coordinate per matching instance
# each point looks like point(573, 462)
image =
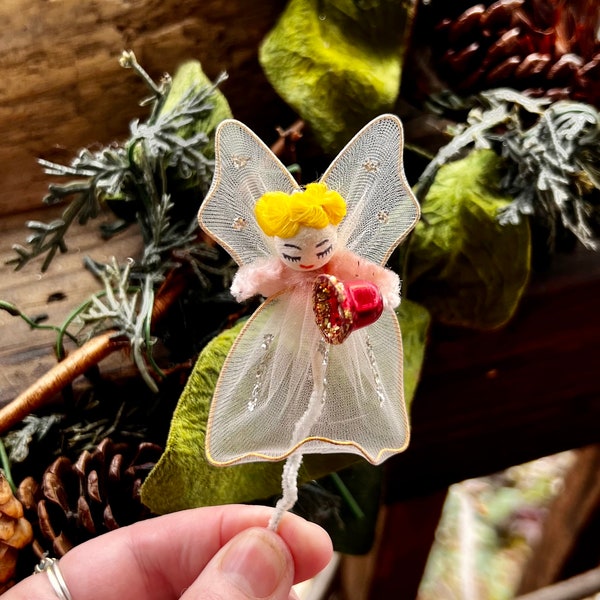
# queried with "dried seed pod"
point(462, 61)
point(99, 492)
point(22, 534)
point(15, 532)
point(500, 14)
point(590, 70)
point(565, 68)
point(508, 44)
point(5, 491)
point(8, 566)
point(503, 72)
point(532, 65)
point(534, 46)
point(466, 23)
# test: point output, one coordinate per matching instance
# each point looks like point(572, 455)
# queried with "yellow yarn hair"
point(280, 214)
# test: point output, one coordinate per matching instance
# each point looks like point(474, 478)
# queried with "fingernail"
point(254, 563)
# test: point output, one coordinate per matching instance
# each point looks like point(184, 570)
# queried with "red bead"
point(342, 307)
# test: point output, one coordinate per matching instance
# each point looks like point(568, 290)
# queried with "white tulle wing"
point(266, 383)
point(245, 169)
point(369, 174)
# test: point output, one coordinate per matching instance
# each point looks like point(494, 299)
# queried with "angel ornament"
point(318, 367)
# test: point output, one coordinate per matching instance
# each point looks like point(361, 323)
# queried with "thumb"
point(254, 564)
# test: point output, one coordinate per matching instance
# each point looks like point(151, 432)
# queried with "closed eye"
point(325, 252)
point(291, 258)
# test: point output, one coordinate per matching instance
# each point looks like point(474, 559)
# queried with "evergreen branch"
point(126, 173)
point(162, 139)
point(18, 440)
point(48, 238)
point(552, 158)
point(135, 173)
point(462, 139)
point(126, 310)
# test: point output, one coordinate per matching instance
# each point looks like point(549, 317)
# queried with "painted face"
point(309, 249)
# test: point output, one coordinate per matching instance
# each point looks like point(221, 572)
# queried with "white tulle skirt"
point(283, 388)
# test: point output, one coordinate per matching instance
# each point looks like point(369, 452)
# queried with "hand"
point(216, 553)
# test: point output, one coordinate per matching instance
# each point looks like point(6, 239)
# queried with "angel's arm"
point(263, 276)
point(346, 265)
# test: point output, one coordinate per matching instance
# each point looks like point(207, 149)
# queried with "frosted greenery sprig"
point(127, 173)
point(560, 155)
point(169, 152)
point(552, 153)
point(125, 309)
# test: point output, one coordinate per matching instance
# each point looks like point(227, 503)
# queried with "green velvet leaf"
point(338, 63)
point(463, 265)
point(184, 479)
point(414, 323)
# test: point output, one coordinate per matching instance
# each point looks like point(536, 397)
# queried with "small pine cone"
point(98, 493)
point(15, 533)
point(543, 47)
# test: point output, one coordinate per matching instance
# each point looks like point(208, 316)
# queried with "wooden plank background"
point(63, 89)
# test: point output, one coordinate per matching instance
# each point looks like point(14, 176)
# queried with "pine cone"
point(544, 47)
point(15, 533)
point(98, 493)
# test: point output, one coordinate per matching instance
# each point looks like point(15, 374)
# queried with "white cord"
point(289, 484)
point(289, 477)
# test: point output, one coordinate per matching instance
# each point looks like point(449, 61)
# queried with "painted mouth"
point(306, 266)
